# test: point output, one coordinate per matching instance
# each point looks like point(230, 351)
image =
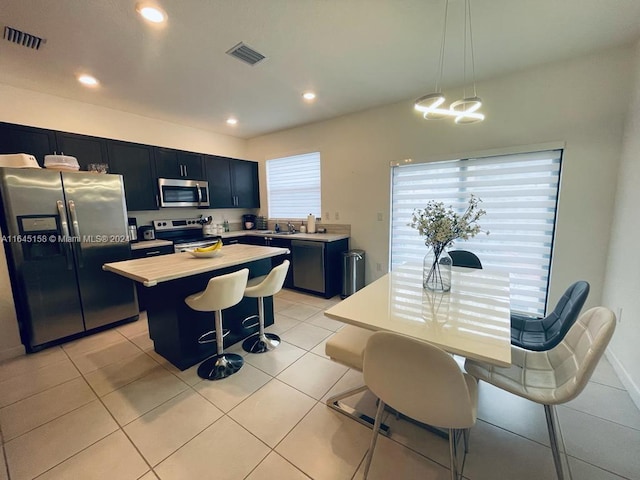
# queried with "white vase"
point(436, 271)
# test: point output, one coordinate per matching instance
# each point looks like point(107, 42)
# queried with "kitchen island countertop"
point(153, 270)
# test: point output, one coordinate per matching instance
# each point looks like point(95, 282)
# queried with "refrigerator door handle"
point(76, 231)
point(66, 241)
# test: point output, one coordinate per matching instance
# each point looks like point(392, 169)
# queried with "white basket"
point(18, 160)
point(61, 162)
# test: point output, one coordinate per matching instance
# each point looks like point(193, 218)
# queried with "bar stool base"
point(261, 344)
point(220, 366)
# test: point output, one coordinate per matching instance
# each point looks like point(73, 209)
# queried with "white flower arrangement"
point(441, 226)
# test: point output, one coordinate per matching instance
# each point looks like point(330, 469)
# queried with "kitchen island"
point(173, 326)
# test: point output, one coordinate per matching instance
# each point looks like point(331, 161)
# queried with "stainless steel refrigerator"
point(58, 229)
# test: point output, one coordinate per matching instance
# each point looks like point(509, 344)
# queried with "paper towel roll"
point(311, 224)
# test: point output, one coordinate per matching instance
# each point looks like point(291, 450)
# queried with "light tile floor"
point(109, 407)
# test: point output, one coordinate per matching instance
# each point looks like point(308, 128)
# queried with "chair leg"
point(221, 365)
point(261, 342)
point(374, 438)
point(549, 412)
point(453, 453)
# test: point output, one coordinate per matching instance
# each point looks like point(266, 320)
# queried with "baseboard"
point(625, 378)
point(12, 352)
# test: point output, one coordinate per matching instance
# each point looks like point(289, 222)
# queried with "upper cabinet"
point(232, 183)
point(178, 164)
point(135, 163)
point(86, 149)
point(21, 139)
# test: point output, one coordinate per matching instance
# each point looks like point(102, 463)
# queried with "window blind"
point(519, 193)
point(293, 186)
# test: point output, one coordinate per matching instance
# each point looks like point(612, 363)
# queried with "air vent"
point(246, 54)
point(21, 38)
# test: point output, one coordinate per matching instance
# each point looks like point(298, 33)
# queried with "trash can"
point(352, 272)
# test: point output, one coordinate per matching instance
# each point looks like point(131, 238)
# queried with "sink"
point(285, 233)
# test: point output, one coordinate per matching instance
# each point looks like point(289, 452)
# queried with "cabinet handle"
point(157, 201)
point(181, 171)
point(153, 252)
point(186, 173)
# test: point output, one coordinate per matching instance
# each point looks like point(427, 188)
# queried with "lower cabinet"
point(143, 253)
point(316, 267)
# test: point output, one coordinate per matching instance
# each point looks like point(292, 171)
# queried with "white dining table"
point(471, 320)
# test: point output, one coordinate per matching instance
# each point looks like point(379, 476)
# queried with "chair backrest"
point(576, 357)
point(271, 284)
point(557, 323)
point(464, 258)
point(222, 292)
point(419, 380)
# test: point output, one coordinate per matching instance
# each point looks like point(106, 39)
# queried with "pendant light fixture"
point(465, 110)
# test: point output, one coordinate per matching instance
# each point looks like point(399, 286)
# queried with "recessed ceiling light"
point(151, 12)
point(309, 96)
point(232, 121)
point(88, 80)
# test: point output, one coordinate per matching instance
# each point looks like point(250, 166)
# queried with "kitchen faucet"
point(291, 228)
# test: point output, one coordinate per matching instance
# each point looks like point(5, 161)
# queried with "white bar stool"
point(222, 292)
point(259, 288)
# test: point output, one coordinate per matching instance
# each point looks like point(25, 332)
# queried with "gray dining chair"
point(554, 376)
point(464, 258)
point(540, 334)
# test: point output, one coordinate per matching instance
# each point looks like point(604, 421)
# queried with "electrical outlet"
point(337, 216)
point(378, 267)
point(379, 216)
point(619, 315)
point(327, 216)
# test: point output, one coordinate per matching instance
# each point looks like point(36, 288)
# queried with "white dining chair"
point(423, 382)
point(554, 376)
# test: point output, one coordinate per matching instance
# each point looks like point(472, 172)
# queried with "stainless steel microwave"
point(183, 193)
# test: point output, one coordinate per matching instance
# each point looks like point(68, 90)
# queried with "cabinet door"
point(86, 149)
point(244, 175)
point(20, 139)
point(219, 178)
point(135, 163)
point(190, 165)
point(167, 163)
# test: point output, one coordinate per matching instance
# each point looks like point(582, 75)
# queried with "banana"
point(210, 248)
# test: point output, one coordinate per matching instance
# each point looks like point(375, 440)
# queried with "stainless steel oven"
point(183, 193)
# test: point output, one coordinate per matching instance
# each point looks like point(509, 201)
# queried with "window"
point(519, 193)
point(293, 186)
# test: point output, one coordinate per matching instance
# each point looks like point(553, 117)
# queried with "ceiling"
point(355, 54)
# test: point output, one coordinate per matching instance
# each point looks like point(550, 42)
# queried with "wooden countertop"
point(314, 237)
point(153, 270)
point(150, 244)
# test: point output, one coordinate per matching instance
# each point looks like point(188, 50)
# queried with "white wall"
point(622, 287)
point(582, 103)
point(27, 107)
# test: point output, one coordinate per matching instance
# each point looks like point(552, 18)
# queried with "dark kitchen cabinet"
point(84, 148)
point(135, 163)
point(178, 164)
point(22, 139)
point(232, 183)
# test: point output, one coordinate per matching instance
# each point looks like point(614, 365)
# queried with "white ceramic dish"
point(211, 254)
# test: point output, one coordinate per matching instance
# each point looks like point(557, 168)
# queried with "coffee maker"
point(249, 222)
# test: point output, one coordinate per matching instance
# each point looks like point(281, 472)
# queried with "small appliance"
point(147, 232)
point(133, 229)
point(248, 221)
